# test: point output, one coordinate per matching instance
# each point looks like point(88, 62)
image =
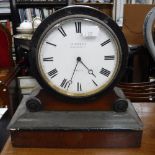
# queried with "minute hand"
point(74, 70)
point(70, 81)
point(90, 71)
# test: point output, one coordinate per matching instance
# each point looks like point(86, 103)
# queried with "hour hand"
point(90, 71)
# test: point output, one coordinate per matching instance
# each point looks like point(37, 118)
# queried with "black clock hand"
point(75, 68)
point(70, 81)
point(90, 71)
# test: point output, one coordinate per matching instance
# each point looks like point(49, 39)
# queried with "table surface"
point(146, 112)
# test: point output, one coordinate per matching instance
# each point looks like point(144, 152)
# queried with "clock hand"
point(70, 81)
point(90, 71)
point(78, 59)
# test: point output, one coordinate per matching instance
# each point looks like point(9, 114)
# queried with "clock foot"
point(120, 105)
point(34, 104)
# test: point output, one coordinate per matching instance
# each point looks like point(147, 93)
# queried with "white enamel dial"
point(79, 57)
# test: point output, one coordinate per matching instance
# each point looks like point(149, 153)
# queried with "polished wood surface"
point(146, 112)
point(77, 139)
point(53, 102)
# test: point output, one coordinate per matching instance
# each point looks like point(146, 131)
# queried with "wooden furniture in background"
point(105, 7)
point(134, 16)
point(8, 89)
point(6, 62)
point(139, 92)
point(5, 48)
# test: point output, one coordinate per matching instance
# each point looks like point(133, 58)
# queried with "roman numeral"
point(105, 42)
point(53, 73)
point(51, 44)
point(109, 57)
point(79, 87)
point(48, 59)
point(94, 83)
point(61, 30)
point(65, 83)
point(78, 27)
point(105, 72)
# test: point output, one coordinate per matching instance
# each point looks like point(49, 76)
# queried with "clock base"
point(112, 100)
point(75, 129)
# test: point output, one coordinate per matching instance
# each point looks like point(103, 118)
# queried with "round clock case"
point(78, 52)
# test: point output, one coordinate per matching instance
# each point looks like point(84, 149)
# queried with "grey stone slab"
point(74, 120)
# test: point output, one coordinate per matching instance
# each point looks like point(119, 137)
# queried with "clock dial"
point(78, 52)
point(79, 57)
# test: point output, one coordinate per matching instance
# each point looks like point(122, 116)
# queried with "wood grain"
point(78, 139)
point(51, 102)
point(139, 92)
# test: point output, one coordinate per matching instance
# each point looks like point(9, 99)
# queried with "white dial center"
point(78, 57)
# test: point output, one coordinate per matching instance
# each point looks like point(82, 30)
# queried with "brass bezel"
point(118, 63)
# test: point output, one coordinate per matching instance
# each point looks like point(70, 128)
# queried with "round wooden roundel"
point(78, 52)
